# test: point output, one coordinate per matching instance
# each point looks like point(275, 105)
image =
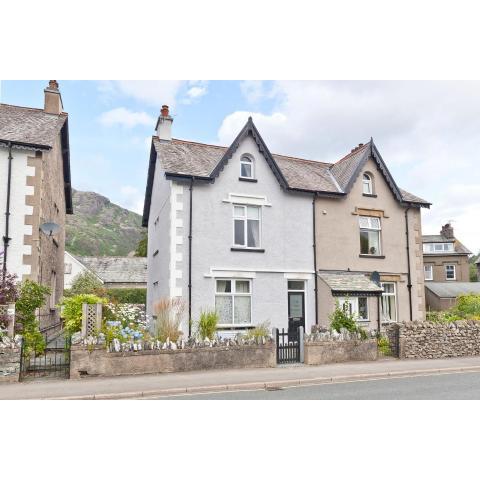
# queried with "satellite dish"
point(375, 277)
point(50, 228)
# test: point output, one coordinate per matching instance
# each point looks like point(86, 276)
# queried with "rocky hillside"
point(98, 227)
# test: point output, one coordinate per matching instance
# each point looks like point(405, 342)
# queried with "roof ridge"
point(195, 143)
point(35, 109)
point(352, 153)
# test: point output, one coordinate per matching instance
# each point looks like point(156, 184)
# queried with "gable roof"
point(34, 128)
point(117, 269)
point(182, 158)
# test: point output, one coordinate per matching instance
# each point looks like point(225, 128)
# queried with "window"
point(233, 302)
point(437, 247)
point(370, 235)
point(389, 302)
point(246, 167)
point(367, 184)
point(428, 269)
point(68, 268)
point(357, 306)
point(246, 226)
point(450, 273)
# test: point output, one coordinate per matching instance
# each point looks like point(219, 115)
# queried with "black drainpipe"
point(6, 238)
point(409, 285)
point(315, 258)
point(190, 262)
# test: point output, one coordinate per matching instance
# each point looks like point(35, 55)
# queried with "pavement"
point(142, 386)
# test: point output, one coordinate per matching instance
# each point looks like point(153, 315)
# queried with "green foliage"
point(85, 282)
point(261, 330)
point(384, 345)
point(207, 325)
point(32, 296)
point(142, 247)
point(442, 317)
point(473, 273)
point(467, 308)
point(127, 295)
point(341, 318)
point(72, 310)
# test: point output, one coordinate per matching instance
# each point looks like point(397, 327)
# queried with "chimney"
point(164, 124)
point(53, 99)
point(447, 231)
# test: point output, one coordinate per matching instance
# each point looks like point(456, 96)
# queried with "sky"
point(428, 132)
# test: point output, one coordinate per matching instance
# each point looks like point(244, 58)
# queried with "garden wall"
point(335, 351)
point(9, 364)
point(437, 340)
point(96, 360)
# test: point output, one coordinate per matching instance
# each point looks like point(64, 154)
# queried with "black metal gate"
point(393, 335)
point(288, 346)
point(53, 361)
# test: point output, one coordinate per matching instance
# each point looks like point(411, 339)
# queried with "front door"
point(296, 311)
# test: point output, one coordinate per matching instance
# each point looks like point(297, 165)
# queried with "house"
point(35, 191)
point(266, 237)
point(445, 261)
point(113, 272)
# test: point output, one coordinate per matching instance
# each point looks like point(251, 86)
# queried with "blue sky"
point(427, 132)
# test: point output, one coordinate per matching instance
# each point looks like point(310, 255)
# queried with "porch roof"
point(350, 283)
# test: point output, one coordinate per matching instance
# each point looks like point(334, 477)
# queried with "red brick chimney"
point(447, 231)
point(53, 99)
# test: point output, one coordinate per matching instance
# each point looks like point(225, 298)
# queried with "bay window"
point(369, 235)
point(233, 301)
point(246, 226)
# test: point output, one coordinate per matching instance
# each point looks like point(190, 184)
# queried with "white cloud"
point(196, 92)
point(152, 92)
point(126, 118)
point(131, 198)
point(427, 132)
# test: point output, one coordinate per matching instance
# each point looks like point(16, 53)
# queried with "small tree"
point(72, 310)
point(342, 318)
point(141, 250)
point(86, 283)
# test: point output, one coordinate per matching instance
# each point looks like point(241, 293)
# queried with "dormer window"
point(367, 184)
point(246, 167)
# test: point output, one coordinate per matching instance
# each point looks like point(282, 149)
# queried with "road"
point(452, 386)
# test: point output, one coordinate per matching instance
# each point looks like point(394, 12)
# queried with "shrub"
point(207, 325)
point(86, 282)
point(32, 296)
point(384, 345)
point(168, 314)
point(72, 310)
point(468, 306)
point(8, 294)
point(127, 295)
point(341, 318)
point(261, 330)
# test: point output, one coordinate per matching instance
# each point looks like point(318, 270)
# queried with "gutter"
point(409, 284)
point(6, 238)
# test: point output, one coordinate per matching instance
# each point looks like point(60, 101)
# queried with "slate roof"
point(458, 246)
point(350, 282)
point(203, 161)
point(452, 289)
point(29, 126)
point(117, 269)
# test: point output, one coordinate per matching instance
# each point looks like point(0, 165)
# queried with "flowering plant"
point(124, 322)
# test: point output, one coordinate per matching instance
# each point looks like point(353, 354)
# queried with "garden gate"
point(288, 346)
point(53, 361)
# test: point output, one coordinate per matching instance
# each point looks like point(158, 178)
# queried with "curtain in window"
point(242, 310)
point(223, 305)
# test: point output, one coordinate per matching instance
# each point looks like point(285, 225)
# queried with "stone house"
point(113, 272)
point(266, 237)
point(35, 189)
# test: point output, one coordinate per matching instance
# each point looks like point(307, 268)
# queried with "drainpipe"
point(315, 258)
point(190, 261)
point(6, 238)
point(409, 285)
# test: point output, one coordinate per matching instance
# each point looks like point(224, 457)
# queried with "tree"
point(85, 282)
point(141, 250)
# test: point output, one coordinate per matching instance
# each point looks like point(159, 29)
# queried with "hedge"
point(127, 295)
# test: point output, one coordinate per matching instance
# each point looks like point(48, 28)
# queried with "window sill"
point(245, 179)
point(364, 255)
point(240, 249)
point(373, 195)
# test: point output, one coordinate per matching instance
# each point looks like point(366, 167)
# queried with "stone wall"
point(96, 360)
point(335, 351)
point(9, 364)
point(437, 340)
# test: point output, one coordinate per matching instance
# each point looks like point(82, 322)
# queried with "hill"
point(98, 227)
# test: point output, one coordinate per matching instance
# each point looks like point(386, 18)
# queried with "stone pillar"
point(275, 336)
point(301, 339)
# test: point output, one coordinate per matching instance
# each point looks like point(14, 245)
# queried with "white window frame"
point(373, 228)
point(394, 294)
point(428, 268)
point(367, 184)
point(67, 268)
point(247, 160)
point(245, 228)
point(234, 294)
point(354, 307)
point(454, 272)
point(431, 247)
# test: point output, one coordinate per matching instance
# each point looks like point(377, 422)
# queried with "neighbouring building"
point(113, 272)
point(445, 261)
point(35, 189)
point(265, 237)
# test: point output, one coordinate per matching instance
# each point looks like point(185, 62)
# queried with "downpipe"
point(6, 238)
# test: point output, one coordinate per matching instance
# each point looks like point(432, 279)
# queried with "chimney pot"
point(360, 145)
point(53, 84)
point(164, 112)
